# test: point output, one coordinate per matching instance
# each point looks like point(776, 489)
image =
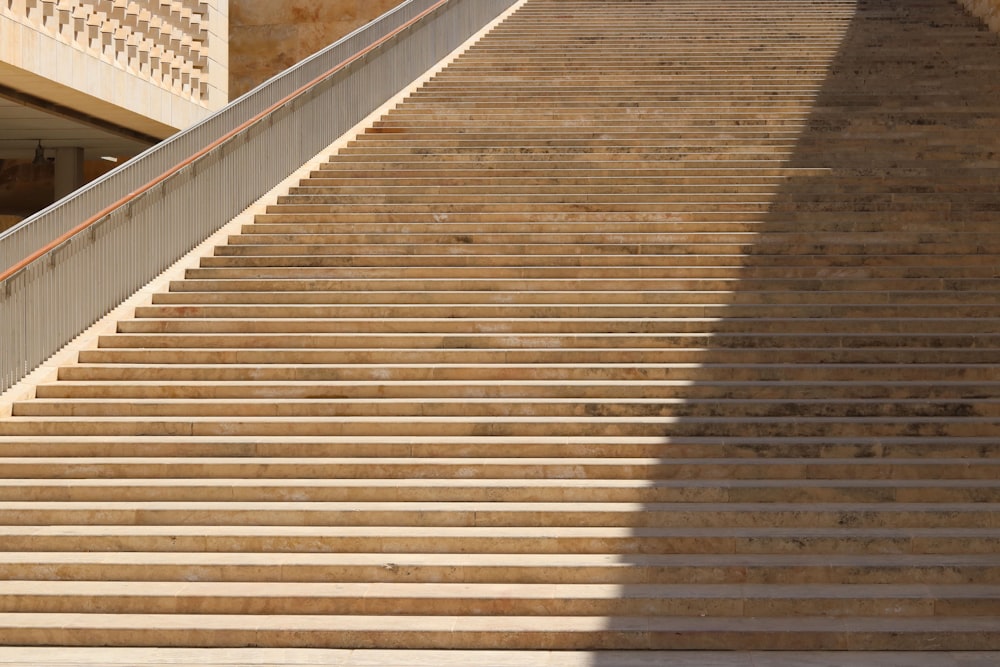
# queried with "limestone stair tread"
point(492, 513)
point(857, 326)
point(198, 537)
point(722, 470)
point(700, 306)
point(528, 298)
point(298, 402)
point(211, 370)
point(164, 488)
point(549, 540)
point(526, 426)
point(391, 215)
point(544, 235)
point(494, 567)
point(722, 269)
point(728, 601)
point(678, 259)
point(510, 632)
point(741, 447)
point(448, 231)
point(568, 388)
point(213, 318)
point(528, 340)
point(486, 590)
point(575, 412)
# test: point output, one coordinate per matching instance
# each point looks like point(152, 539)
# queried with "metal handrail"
point(100, 215)
point(139, 219)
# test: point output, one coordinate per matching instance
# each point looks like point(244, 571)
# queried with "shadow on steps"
point(863, 324)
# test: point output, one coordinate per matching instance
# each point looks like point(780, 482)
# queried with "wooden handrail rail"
point(94, 219)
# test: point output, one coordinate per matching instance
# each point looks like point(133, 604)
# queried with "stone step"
point(604, 175)
point(733, 307)
point(725, 268)
point(535, 513)
point(694, 373)
point(404, 181)
point(568, 136)
point(627, 542)
point(720, 78)
point(621, 260)
point(736, 408)
point(635, 284)
point(499, 358)
point(859, 449)
point(506, 632)
point(582, 600)
point(617, 170)
point(214, 657)
point(596, 241)
point(459, 254)
point(585, 165)
point(422, 297)
point(627, 148)
point(524, 426)
point(594, 187)
point(555, 102)
point(609, 168)
point(501, 388)
point(629, 569)
point(825, 222)
point(820, 212)
point(452, 487)
point(590, 148)
point(725, 279)
point(508, 461)
point(580, 326)
point(530, 188)
point(744, 204)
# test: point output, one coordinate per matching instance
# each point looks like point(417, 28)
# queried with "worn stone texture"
point(267, 37)
point(988, 10)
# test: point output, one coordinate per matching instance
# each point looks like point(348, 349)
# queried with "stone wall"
point(988, 10)
point(268, 36)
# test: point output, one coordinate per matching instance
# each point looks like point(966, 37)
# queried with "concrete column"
point(69, 171)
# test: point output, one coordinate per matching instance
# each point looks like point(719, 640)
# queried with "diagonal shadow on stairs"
point(412, 420)
point(808, 495)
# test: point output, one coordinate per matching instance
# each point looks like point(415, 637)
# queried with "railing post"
point(205, 176)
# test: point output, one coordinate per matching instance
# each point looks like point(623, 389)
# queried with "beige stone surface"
point(267, 37)
point(149, 657)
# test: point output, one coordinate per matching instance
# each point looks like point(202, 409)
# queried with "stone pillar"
point(69, 171)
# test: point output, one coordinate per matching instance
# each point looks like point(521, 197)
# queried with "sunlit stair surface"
point(664, 324)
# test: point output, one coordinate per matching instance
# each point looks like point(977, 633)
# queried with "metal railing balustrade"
point(47, 302)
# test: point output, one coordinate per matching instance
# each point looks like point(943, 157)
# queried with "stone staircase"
point(643, 325)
